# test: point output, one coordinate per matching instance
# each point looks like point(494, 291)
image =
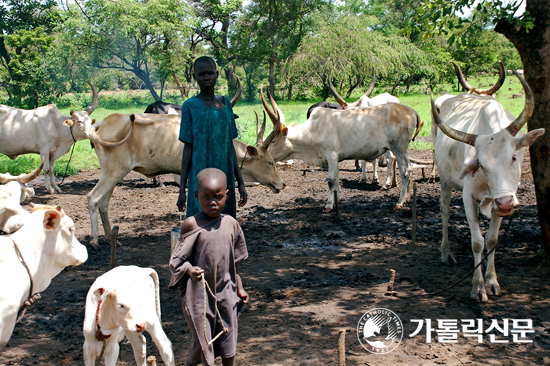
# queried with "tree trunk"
point(272, 74)
point(289, 92)
point(144, 76)
point(534, 50)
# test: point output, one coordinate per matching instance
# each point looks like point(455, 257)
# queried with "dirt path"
point(309, 274)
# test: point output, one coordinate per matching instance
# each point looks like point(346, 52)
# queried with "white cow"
point(364, 102)
point(330, 136)
point(148, 144)
point(47, 244)
point(480, 153)
point(43, 131)
point(124, 302)
point(12, 194)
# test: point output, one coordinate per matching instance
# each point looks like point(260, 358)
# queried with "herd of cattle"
point(478, 149)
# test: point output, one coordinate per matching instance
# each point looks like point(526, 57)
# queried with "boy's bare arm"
point(239, 177)
point(186, 162)
point(241, 292)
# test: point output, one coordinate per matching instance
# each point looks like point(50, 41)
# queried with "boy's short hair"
point(205, 59)
point(211, 174)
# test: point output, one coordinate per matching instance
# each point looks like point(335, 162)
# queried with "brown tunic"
point(215, 248)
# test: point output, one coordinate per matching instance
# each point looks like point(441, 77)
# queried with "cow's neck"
point(302, 143)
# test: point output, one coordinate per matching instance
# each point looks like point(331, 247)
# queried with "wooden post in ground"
point(114, 237)
point(336, 203)
point(413, 235)
point(342, 348)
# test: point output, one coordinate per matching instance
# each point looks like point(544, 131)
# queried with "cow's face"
point(280, 148)
point(81, 123)
point(67, 251)
point(497, 163)
point(261, 166)
point(121, 308)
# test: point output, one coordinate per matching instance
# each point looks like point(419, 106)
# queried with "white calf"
point(124, 301)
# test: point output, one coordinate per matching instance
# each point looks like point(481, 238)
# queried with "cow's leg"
point(491, 238)
point(445, 209)
point(112, 349)
point(98, 200)
point(358, 166)
point(363, 172)
point(7, 326)
point(405, 172)
point(163, 343)
point(137, 340)
point(375, 179)
point(390, 172)
point(333, 180)
point(52, 173)
point(91, 350)
point(470, 207)
point(432, 174)
point(157, 182)
point(45, 154)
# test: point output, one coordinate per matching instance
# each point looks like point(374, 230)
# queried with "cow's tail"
point(419, 125)
point(155, 278)
point(95, 138)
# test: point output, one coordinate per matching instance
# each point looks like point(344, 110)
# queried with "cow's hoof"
point(362, 181)
point(479, 296)
point(385, 187)
point(52, 191)
point(327, 210)
point(94, 246)
point(375, 181)
point(431, 180)
point(492, 288)
point(398, 207)
point(58, 190)
point(448, 260)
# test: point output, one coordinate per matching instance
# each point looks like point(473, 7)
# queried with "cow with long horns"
point(480, 152)
point(43, 131)
point(330, 136)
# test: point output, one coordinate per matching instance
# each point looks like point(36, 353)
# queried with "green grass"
point(84, 158)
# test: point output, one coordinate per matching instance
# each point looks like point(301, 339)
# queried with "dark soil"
point(309, 274)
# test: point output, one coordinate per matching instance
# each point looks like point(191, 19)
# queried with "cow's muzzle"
point(140, 327)
point(504, 206)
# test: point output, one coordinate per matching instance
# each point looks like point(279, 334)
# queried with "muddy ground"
point(309, 274)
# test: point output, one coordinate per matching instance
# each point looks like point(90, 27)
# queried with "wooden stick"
point(342, 348)
point(336, 203)
point(114, 236)
point(392, 280)
point(413, 237)
point(423, 174)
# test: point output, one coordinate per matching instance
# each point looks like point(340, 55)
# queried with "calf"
point(124, 301)
point(47, 245)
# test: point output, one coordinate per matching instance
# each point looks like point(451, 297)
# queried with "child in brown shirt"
point(210, 245)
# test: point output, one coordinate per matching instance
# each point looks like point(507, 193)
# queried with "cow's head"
point(64, 250)
point(498, 157)
point(81, 119)
point(21, 181)
point(122, 307)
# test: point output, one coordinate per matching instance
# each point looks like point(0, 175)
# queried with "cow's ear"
point(98, 293)
point(251, 150)
point(528, 139)
point(471, 167)
point(285, 131)
point(93, 121)
point(68, 122)
point(52, 218)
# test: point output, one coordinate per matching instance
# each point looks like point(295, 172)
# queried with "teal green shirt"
point(211, 131)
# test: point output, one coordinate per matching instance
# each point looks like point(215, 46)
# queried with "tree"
point(530, 34)
point(137, 36)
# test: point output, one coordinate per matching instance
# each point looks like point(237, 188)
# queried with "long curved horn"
point(461, 78)
point(371, 87)
point(95, 100)
point(95, 138)
point(238, 92)
point(260, 129)
point(270, 112)
point(337, 96)
point(522, 119)
point(23, 178)
point(273, 133)
point(465, 137)
point(498, 84)
point(280, 116)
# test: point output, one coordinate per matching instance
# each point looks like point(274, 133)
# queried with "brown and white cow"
point(148, 144)
point(43, 131)
point(124, 302)
point(14, 192)
point(47, 244)
point(480, 153)
point(330, 136)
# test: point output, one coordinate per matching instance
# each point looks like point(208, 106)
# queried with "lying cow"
point(47, 245)
point(479, 149)
point(43, 131)
point(12, 194)
point(148, 144)
point(124, 302)
point(332, 136)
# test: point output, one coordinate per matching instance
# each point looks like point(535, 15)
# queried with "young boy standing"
point(208, 129)
point(210, 246)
